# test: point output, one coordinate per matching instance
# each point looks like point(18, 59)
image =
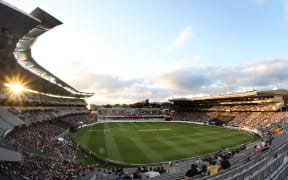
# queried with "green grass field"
point(153, 142)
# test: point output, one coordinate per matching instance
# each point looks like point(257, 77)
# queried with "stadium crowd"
point(247, 107)
point(44, 114)
point(45, 156)
point(259, 120)
point(35, 99)
point(78, 119)
point(41, 119)
point(194, 116)
point(102, 112)
point(41, 138)
point(41, 167)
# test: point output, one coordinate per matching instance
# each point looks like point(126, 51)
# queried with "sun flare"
point(16, 88)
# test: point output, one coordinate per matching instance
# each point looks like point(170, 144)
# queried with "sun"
point(16, 84)
point(16, 88)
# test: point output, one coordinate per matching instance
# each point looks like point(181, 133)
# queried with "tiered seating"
point(34, 99)
point(40, 137)
point(8, 121)
point(3, 96)
point(271, 106)
point(64, 111)
point(32, 114)
point(261, 120)
point(110, 113)
point(194, 116)
point(5, 115)
point(41, 167)
point(32, 131)
point(76, 119)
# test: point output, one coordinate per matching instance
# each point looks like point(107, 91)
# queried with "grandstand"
point(129, 113)
point(35, 121)
point(254, 109)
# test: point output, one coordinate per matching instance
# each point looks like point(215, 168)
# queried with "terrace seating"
point(77, 119)
point(194, 116)
point(2, 96)
point(8, 121)
point(128, 113)
point(32, 99)
point(5, 115)
point(31, 114)
point(40, 137)
point(242, 119)
point(61, 123)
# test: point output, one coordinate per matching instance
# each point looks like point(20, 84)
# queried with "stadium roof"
point(15, 19)
point(18, 32)
point(8, 155)
point(279, 92)
point(254, 93)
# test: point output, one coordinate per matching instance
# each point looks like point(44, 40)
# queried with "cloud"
point(114, 89)
point(182, 81)
point(101, 83)
point(261, 74)
point(186, 78)
point(181, 39)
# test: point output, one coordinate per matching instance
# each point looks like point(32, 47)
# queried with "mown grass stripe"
point(152, 155)
point(136, 155)
point(173, 146)
point(125, 142)
point(112, 149)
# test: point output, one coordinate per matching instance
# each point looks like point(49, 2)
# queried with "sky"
point(128, 51)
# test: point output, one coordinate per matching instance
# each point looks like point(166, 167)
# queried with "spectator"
point(151, 173)
point(203, 170)
point(225, 164)
point(136, 174)
point(193, 171)
point(126, 176)
point(212, 169)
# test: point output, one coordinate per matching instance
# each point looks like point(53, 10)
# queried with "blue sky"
point(127, 51)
